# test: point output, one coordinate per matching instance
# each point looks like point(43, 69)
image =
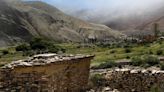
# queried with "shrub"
point(151, 60)
point(127, 46)
point(159, 52)
point(112, 51)
point(105, 65)
point(23, 47)
point(146, 60)
point(162, 66)
point(53, 49)
point(147, 45)
point(127, 57)
point(136, 61)
point(150, 52)
point(127, 50)
point(1, 65)
point(28, 53)
point(63, 50)
point(40, 44)
point(103, 45)
point(5, 52)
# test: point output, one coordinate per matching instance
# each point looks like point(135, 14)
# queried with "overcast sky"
point(104, 8)
point(103, 4)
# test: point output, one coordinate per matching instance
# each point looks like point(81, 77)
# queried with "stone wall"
point(135, 80)
point(66, 76)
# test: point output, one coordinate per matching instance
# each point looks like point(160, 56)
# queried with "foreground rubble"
point(132, 80)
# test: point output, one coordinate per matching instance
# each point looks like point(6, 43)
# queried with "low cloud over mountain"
point(117, 14)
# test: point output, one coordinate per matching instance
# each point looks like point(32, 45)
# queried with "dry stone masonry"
point(46, 73)
point(132, 80)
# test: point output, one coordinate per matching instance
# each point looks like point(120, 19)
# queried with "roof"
point(43, 59)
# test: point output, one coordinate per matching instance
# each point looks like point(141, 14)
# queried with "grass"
point(102, 54)
point(107, 54)
point(12, 56)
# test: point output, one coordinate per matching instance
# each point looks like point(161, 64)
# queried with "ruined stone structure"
point(126, 80)
point(46, 73)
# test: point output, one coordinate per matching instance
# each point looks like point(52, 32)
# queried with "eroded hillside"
point(20, 21)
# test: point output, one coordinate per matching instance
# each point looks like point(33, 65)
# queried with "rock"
point(106, 89)
point(126, 80)
point(43, 59)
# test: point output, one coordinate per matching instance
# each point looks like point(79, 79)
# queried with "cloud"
point(104, 6)
point(106, 10)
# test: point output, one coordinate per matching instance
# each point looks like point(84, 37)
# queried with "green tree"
point(40, 44)
point(23, 47)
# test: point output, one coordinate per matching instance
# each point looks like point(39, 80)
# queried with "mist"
point(103, 11)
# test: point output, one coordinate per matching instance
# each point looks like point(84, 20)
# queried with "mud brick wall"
point(64, 76)
point(130, 81)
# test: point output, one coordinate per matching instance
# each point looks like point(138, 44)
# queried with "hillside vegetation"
point(103, 54)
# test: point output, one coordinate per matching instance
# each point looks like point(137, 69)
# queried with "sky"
point(104, 8)
point(102, 4)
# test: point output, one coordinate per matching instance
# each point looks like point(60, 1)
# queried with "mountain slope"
point(147, 27)
point(21, 21)
point(150, 24)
